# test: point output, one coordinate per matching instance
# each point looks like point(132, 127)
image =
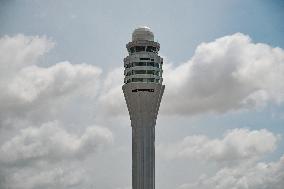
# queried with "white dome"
point(142, 33)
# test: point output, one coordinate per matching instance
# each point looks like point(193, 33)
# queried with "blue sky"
point(93, 35)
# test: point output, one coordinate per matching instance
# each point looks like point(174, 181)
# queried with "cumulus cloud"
point(42, 153)
point(230, 73)
point(111, 99)
point(27, 87)
point(49, 156)
point(236, 145)
point(50, 142)
point(255, 176)
point(227, 74)
point(47, 177)
point(20, 51)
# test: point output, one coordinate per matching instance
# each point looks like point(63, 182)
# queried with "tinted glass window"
point(144, 58)
point(150, 79)
point(140, 71)
point(139, 48)
point(137, 79)
point(150, 72)
point(140, 64)
point(151, 64)
point(151, 49)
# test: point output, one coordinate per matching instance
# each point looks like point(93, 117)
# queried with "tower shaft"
point(143, 101)
point(143, 157)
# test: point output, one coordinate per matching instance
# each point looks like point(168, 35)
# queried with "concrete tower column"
point(143, 157)
point(143, 91)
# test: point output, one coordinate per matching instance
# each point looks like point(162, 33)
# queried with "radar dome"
point(142, 33)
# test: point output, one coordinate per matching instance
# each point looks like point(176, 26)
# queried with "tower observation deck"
point(143, 91)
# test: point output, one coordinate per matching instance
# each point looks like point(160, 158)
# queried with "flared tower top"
point(143, 33)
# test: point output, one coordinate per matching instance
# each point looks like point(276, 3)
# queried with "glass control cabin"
point(143, 64)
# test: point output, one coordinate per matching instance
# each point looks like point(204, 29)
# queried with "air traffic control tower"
point(143, 91)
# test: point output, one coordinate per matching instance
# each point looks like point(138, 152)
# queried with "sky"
point(63, 118)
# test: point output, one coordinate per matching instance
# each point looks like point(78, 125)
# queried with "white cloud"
point(255, 176)
point(37, 152)
point(27, 87)
point(50, 157)
point(227, 74)
point(47, 177)
point(111, 100)
point(21, 51)
point(236, 145)
point(50, 142)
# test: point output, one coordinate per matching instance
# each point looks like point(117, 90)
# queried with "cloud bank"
point(28, 88)
point(238, 156)
point(236, 145)
point(229, 73)
point(42, 152)
point(50, 142)
point(255, 176)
